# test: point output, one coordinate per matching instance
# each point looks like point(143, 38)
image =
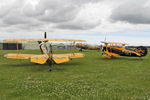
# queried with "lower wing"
point(18, 56)
point(72, 55)
point(40, 59)
point(111, 54)
point(58, 58)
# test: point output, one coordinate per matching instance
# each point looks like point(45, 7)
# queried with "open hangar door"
point(11, 46)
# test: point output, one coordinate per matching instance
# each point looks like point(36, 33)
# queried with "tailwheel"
point(50, 64)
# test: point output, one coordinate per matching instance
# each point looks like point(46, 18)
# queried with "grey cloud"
point(56, 10)
point(6, 7)
point(60, 13)
point(78, 25)
point(11, 14)
point(12, 19)
point(132, 11)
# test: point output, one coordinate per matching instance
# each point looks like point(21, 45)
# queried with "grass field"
point(89, 78)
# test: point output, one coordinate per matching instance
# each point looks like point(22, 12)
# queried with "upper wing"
point(61, 40)
point(117, 43)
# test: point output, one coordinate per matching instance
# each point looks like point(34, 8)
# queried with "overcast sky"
point(92, 20)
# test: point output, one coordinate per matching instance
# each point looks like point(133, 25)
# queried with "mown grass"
point(89, 78)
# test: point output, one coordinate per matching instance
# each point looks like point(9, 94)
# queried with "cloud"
point(60, 14)
point(25, 18)
point(132, 11)
point(77, 26)
point(63, 13)
point(54, 11)
point(87, 18)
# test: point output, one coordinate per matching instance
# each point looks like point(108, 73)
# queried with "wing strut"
point(73, 47)
point(17, 48)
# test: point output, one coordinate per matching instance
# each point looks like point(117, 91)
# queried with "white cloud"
point(33, 17)
point(87, 18)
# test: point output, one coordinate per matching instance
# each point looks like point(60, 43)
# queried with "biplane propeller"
point(47, 52)
point(113, 49)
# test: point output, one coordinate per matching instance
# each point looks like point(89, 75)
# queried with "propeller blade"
point(45, 35)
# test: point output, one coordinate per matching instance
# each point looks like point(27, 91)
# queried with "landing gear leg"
point(50, 64)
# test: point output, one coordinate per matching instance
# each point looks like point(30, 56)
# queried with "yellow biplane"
point(113, 49)
point(47, 53)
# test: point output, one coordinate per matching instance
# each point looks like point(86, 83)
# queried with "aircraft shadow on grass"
point(123, 58)
point(37, 67)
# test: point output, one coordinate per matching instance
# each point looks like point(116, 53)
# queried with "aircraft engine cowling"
point(142, 50)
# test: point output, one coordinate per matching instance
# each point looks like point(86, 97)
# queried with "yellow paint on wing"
point(18, 56)
point(111, 54)
point(60, 59)
point(40, 59)
point(71, 55)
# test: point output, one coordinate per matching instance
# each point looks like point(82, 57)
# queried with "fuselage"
point(123, 51)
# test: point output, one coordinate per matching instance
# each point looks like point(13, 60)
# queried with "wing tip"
point(83, 55)
point(69, 58)
point(6, 55)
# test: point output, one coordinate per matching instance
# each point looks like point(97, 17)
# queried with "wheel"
point(80, 50)
point(50, 64)
point(50, 69)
